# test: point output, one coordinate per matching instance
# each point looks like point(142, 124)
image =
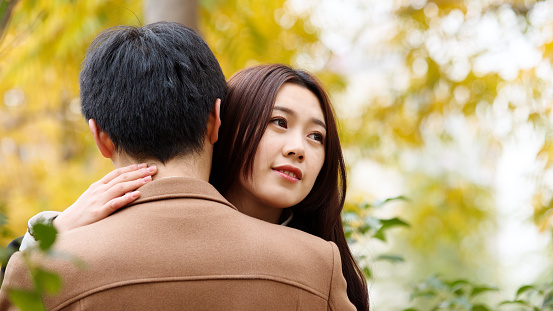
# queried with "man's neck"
point(192, 166)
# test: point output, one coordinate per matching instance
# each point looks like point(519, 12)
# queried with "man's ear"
point(214, 122)
point(102, 140)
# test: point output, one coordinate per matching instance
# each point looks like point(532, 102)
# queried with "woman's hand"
point(105, 196)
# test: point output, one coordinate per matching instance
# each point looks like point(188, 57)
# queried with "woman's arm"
point(42, 217)
point(113, 191)
point(105, 196)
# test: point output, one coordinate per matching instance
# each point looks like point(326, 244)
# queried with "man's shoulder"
point(208, 242)
point(177, 237)
point(170, 224)
point(292, 237)
point(290, 249)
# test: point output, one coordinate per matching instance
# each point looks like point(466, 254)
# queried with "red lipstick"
point(288, 172)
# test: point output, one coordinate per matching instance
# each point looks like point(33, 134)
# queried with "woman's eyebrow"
point(294, 114)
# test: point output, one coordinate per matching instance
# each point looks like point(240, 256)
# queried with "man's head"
point(151, 89)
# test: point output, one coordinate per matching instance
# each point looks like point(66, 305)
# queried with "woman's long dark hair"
point(245, 114)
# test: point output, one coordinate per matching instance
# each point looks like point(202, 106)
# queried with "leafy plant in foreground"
point(360, 224)
point(435, 293)
point(533, 297)
point(44, 282)
point(456, 295)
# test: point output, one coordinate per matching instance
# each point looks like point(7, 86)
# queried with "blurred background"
point(445, 119)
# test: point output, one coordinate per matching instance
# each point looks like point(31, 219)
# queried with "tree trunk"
point(180, 11)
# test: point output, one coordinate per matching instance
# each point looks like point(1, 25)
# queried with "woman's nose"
point(294, 148)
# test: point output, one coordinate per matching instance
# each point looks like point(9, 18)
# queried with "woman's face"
point(289, 157)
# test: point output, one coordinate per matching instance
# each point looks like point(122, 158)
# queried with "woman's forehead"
point(298, 100)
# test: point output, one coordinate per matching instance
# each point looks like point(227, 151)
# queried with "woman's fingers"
point(130, 176)
point(121, 188)
point(119, 195)
point(119, 202)
point(122, 170)
point(115, 190)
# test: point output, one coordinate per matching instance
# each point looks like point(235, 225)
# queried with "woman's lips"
point(288, 172)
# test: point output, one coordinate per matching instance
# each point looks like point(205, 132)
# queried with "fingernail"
point(135, 194)
point(152, 169)
point(147, 178)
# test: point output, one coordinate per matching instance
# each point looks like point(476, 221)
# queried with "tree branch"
point(6, 9)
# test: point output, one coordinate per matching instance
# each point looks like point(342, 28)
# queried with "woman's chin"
point(283, 203)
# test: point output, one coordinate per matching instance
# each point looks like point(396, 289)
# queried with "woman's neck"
point(247, 204)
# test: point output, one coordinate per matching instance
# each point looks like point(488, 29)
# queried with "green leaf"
point(380, 235)
point(393, 222)
point(348, 234)
point(548, 301)
point(391, 258)
point(459, 292)
point(45, 235)
point(436, 282)
point(518, 302)
point(524, 289)
point(458, 282)
point(6, 9)
point(79, 263)
point(398, 198)
point(425, 293)
point(367, 272)
point(47, 281)
point(25, 300)
point(4, 255)
point(3, 218)
point(460, 301)
point(481, 289)
point(364, 229)
point(480, 308)
point(388, 224)
point(364, 205)
point(372, 222)
point(3, 8)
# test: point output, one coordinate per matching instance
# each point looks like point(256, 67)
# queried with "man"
point(152, 94)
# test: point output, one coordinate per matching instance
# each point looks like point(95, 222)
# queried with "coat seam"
point(186, 279)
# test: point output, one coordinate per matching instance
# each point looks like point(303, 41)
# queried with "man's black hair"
point(151, 89)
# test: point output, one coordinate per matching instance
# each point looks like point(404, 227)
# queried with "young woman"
point(278, 158)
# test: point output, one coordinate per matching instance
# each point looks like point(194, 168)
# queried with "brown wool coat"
point(182, 246)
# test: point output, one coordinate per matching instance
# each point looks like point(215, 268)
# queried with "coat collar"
point(179, 187)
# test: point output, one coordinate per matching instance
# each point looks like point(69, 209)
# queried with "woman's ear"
point(214, 122)
point(102, 140)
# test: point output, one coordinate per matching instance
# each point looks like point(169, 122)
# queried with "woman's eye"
point(317, 136)
point(279, 122)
